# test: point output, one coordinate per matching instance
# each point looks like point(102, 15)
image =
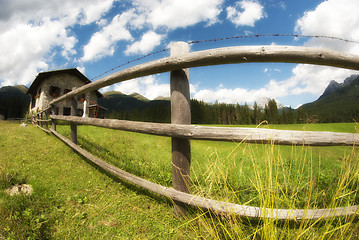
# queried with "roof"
point(45, 75)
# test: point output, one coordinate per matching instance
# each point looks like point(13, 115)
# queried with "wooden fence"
point(181, 131)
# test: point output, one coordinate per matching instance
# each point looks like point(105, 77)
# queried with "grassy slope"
point(90, 204)
point(214, 164)
point(71, 198)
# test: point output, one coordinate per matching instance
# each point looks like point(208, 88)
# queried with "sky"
point(96, 36)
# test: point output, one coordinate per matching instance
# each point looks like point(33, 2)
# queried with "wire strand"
point(228, 38)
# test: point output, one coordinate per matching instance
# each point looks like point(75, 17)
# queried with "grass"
point(72, 199)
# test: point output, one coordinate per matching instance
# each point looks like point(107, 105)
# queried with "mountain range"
point(338, 103)
point(14, 102)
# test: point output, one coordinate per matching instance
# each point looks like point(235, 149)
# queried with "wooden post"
point(74, 125)
point(180, 114)
point(53, 111)
point(41, 118)
point(46, 118)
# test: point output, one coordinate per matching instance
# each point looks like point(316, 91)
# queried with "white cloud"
point(240, 95)
point(335, 18)
point(245, 13)
point(179, 13)
point(148, 87)
point(103, 43)
point(147, 43)
point(93, 12)
point(27, 47)
point(33, 33)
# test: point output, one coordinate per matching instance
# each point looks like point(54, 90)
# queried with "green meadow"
point(73, 199)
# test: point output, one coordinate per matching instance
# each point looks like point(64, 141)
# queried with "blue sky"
point(97, 35)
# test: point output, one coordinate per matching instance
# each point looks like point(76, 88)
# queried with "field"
point(73, 199)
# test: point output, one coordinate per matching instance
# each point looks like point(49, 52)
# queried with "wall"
point(63, 81)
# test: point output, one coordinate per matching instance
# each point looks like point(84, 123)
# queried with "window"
point(54, 91)
point(67, 111)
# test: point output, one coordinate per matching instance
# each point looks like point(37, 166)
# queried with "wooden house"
point(50, 85)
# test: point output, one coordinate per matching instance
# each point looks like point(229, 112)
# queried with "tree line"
point(217, 113)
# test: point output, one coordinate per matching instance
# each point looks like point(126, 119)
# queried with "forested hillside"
point(339, 102)
point(14, 101)
point(128, 108)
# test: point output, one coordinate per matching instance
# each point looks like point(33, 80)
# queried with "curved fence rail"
point(219, 56)
point(236, 134)
point(181, 131)
point(216, 206)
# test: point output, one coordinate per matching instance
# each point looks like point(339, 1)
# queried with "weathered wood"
point(227, 55)
point(45, 109)
point(73, 125)
point(40, 118)
point(44, 120)
point(180, 114)
point(213, 205)
point(232, 134)
point(53, 111)
point(47, 119)
point(43, 129)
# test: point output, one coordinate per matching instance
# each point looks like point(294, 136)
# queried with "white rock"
point(17, 189)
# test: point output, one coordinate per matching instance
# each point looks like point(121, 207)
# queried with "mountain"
point(135, 107)
point(139, 97)
point(338, 103)
point(117, 101)
point(334, 85)
point(14, 101)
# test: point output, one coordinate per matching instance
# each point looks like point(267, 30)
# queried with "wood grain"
point(250, 135)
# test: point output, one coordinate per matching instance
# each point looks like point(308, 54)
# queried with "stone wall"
point(64, 82)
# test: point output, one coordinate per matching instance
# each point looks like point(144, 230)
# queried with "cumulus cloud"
point(146, 44)
point(148, 87)
point(32, 33)
point(27, 50)
point(245, 13)
point(151, 15)
point(179, 13)
point(272, 89)
point(336, 18)
point(103, 43)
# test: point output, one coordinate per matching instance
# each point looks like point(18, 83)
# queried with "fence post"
point(74, 125)
point(46, 118)
point(180, 114)
point(41, 118)
point(53, 112)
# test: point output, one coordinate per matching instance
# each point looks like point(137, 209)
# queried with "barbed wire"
point(131, 61)
point(227, 38)
point(273, 35)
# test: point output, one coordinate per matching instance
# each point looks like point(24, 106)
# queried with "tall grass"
point(262, 175)
point(279, 177)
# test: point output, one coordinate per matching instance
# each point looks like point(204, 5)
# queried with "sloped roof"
point(45, 75)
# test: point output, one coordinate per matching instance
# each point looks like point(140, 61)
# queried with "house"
point(50, 85)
